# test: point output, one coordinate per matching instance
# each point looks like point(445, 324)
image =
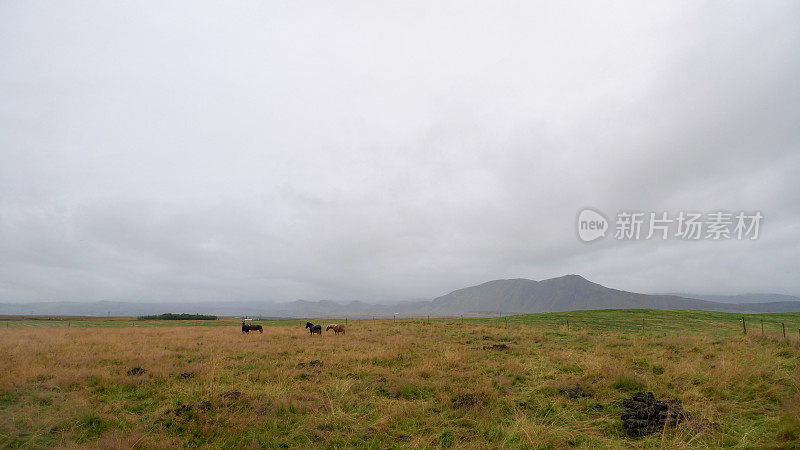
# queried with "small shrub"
point(639, 364)
point(90, 427)
point(410, 391)
point(570, 368)
point(447, 439)
point(628, 383)
point(8, 399)
point(789, 428)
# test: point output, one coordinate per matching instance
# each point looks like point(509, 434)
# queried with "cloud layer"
point(383, 151)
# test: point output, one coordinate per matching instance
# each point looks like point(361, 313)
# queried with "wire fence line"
point(752, 325)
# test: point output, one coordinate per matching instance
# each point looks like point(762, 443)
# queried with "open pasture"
point(473, 382)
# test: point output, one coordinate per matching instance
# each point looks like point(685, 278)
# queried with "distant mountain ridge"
point(566, 293)
point(741, 298)
point(513, 296)
point(297, 308)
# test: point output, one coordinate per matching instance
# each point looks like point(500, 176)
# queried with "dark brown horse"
point(314, 329)
point(248, 328)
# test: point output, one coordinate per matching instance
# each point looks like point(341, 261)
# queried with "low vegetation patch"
point(171, 316)
point(628, 383)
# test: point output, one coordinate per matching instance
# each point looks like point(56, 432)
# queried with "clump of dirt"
point(136, 371)
point(312, 363)
point(643, 414)
point(205, 405)
point(234, 400)
point(181, 410)
point(232, 395)
point(186, 375)
point(183, 413)
point(496, 347)
point(575, 392)
point(466, 400)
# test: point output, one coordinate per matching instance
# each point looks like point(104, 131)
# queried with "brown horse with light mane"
point(336, 328)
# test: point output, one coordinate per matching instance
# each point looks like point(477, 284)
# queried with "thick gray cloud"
point(389, 150)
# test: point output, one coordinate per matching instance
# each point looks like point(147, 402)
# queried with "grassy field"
point(399, 384)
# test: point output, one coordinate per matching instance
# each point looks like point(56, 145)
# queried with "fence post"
point(762, 327)
point(345, 320)
point(784, 329)
point(429, 318)
point(744, 326)
point(567, 325)
point(506, 322)
point(642, 325)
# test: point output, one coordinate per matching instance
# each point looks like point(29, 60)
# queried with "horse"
point(336, 328)
point(314, 329)
point(248, 328)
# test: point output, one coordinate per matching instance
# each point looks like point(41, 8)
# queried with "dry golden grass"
point(386, 384)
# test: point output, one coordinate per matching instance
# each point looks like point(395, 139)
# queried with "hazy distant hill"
point(742, 298)
point(768, 307)
point(298, 308)
point(516, 296)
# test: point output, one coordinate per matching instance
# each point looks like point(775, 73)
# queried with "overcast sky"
point(389, 150)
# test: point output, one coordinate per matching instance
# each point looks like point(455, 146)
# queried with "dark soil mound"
point(232, 395)
point(136, 371)
point(181, 410)
point(643, 414)
point(496, 347)
point(312, 363)
point(466, 400)
point(575, 392)
point(205, 405)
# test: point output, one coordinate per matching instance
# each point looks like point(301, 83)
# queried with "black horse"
point(314, 329)
point(248, 328)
